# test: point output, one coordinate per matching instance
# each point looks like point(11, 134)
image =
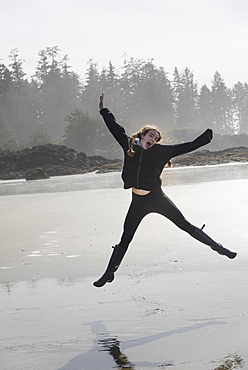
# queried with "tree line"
point(57, 105)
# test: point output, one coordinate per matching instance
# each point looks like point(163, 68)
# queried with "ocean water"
point(94, 180)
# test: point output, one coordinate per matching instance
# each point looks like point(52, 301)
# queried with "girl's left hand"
point(101, 101)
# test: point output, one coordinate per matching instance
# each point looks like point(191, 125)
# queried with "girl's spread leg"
point(138, 209)
point(167, 208)
point(172, 212)
point(136, 213)
point(114, 262)
point(205, 239)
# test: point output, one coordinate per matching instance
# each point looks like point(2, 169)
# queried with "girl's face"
point(149, 139)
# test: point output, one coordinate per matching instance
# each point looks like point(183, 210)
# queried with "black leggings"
point(154, 202)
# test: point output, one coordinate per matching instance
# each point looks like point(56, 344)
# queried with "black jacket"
point(144, 169)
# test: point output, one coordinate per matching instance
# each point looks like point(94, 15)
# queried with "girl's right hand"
point(101, 101)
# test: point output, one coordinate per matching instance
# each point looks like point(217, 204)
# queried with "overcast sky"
point(203, 35)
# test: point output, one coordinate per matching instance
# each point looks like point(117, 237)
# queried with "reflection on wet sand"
point(104, 342)
point(112, 345)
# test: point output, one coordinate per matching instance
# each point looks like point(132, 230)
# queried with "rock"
point(82, 157)
point(206, 157)
point(53, 160)
point(45, 154)
point(96, 160)
point(36, 174)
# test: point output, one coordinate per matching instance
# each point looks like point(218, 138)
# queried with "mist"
point(55, 106)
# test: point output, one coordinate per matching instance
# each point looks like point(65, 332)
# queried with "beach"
point(174, 302)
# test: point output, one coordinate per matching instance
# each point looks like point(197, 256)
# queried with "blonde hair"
point(131, 152)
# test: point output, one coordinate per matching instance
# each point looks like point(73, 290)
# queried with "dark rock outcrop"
point(206, 157)
point(53, 160)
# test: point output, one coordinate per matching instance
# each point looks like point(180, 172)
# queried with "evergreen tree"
point(17, 111)
point(82, 132)
point(92, 90)
point(16, 69)
point(22, 112)
point(6, 130)
point(146, 95)
point(109, 81)
point(221, 106)
point(154, 94)
point(59, 91)
point(132, 103)
point(205, 114)
point(185, 98)
point(8, 137)
point(240, 103)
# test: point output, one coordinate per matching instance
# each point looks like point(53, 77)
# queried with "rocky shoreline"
point(43, 161)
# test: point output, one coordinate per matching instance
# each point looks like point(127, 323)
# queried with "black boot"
point(204, 238)
point(114, 262)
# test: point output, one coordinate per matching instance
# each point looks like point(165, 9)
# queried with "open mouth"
point(148, 145)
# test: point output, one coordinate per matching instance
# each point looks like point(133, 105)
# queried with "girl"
point(144, 160)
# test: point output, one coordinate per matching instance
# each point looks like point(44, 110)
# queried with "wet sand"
point(174, 303)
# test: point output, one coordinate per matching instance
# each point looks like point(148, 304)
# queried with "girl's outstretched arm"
point(116, 130)
point(203, 139)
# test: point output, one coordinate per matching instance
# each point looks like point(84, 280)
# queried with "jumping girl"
point(144, 160)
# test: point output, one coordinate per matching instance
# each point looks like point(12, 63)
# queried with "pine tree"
point(240, 103)
point(22, 112)
point(59, 91)
point(185, 98)
point(8, 136)
point(154, 93)
point(92, 90)
point(221, 105)
point(81, 133)
point(205, 114)
point(110, 84)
